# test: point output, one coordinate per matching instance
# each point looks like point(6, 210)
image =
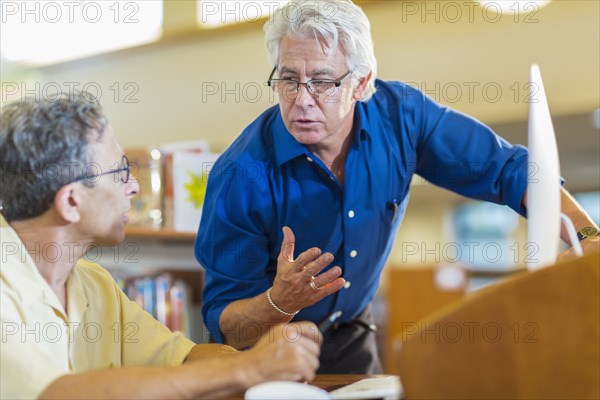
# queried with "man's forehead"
point(317, 70)
point(106, 145)
point(312, 50)
point(317, 65)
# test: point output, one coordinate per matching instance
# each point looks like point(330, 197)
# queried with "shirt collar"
point(362, 124)
point(77, 301)
point(20, 273)
point(288, 148)
point(18, 268)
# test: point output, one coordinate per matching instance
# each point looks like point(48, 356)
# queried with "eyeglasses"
point(124, 172)
point(314, 86)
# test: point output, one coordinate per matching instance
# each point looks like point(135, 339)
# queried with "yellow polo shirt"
point(101, 329)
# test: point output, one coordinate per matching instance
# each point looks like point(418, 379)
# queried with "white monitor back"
point(543, 188)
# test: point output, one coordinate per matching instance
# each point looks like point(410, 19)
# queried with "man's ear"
point(67, 203)
point(360, 90)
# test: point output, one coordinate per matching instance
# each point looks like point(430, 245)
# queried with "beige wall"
point(169, 81)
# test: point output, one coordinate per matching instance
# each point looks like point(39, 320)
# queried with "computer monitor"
point(543, 187)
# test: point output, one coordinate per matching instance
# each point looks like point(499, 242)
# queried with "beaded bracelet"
point(289, 314)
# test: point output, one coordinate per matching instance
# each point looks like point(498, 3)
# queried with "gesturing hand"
point(298, 283)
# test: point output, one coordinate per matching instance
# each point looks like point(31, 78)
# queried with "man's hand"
point(588, 245)
point(292, 288)
point(286, 352)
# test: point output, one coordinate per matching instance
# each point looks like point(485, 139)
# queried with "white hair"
point(332, 23)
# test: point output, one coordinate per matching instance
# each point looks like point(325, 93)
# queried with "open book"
point(388, 388)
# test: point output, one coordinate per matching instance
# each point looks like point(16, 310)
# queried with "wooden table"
point(327, 382)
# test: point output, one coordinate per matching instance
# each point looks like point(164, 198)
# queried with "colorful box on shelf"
point(190, 177)
point(172, 181)
point(167, 151)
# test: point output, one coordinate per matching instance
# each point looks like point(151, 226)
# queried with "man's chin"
point(307, 138)
point(110, 241)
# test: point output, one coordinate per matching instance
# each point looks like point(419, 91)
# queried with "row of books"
point(167, 299)
point(172, 181)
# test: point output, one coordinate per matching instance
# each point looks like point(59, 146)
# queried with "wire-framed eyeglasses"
point(124, 172)
point(314, 86)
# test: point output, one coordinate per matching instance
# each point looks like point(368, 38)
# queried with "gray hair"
point(44, 146)
point(331, 22)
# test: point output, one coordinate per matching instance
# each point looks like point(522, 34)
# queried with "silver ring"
point(313, 285)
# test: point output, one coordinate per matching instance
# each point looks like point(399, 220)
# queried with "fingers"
point(329, 289)
point(304, 332)
point(293, 351)
point(309, 330)
point(299, 282)
point(591, 244)
point(304, 340)
point(308, 347)
point(326, 279)
point(287, 246)
point(310, 260)
point(315, 266)
point(307, 258)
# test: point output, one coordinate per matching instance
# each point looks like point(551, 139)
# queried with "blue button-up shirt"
point(266, 180)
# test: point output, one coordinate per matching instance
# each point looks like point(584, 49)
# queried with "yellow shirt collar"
point(26, 280)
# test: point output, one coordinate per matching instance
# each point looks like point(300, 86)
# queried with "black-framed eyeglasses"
point(314, 86)
point(124, 172)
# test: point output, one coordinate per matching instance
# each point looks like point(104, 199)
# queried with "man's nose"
point(304, 97)
point(133, 186)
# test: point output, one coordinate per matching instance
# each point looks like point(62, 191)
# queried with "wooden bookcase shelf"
point(162, 234)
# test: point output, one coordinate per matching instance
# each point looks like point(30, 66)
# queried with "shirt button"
point(351, 213)
point(353, 253)
point(309, 159)
point(347, 284)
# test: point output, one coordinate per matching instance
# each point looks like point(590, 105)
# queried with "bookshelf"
point(147, 254)
point(141, 232)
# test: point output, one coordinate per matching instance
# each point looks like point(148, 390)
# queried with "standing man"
point(68, 331)
point(327, 172)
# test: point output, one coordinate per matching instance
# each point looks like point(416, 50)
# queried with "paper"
point(388, 388)
point(285, 390)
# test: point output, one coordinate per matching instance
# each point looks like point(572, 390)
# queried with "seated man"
point(68, 331)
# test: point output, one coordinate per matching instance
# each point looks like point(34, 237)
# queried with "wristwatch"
point(586, 232)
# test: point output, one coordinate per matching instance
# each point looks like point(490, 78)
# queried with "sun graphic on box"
point(196, 188)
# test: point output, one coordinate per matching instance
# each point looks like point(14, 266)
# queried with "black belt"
point(369, 326)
